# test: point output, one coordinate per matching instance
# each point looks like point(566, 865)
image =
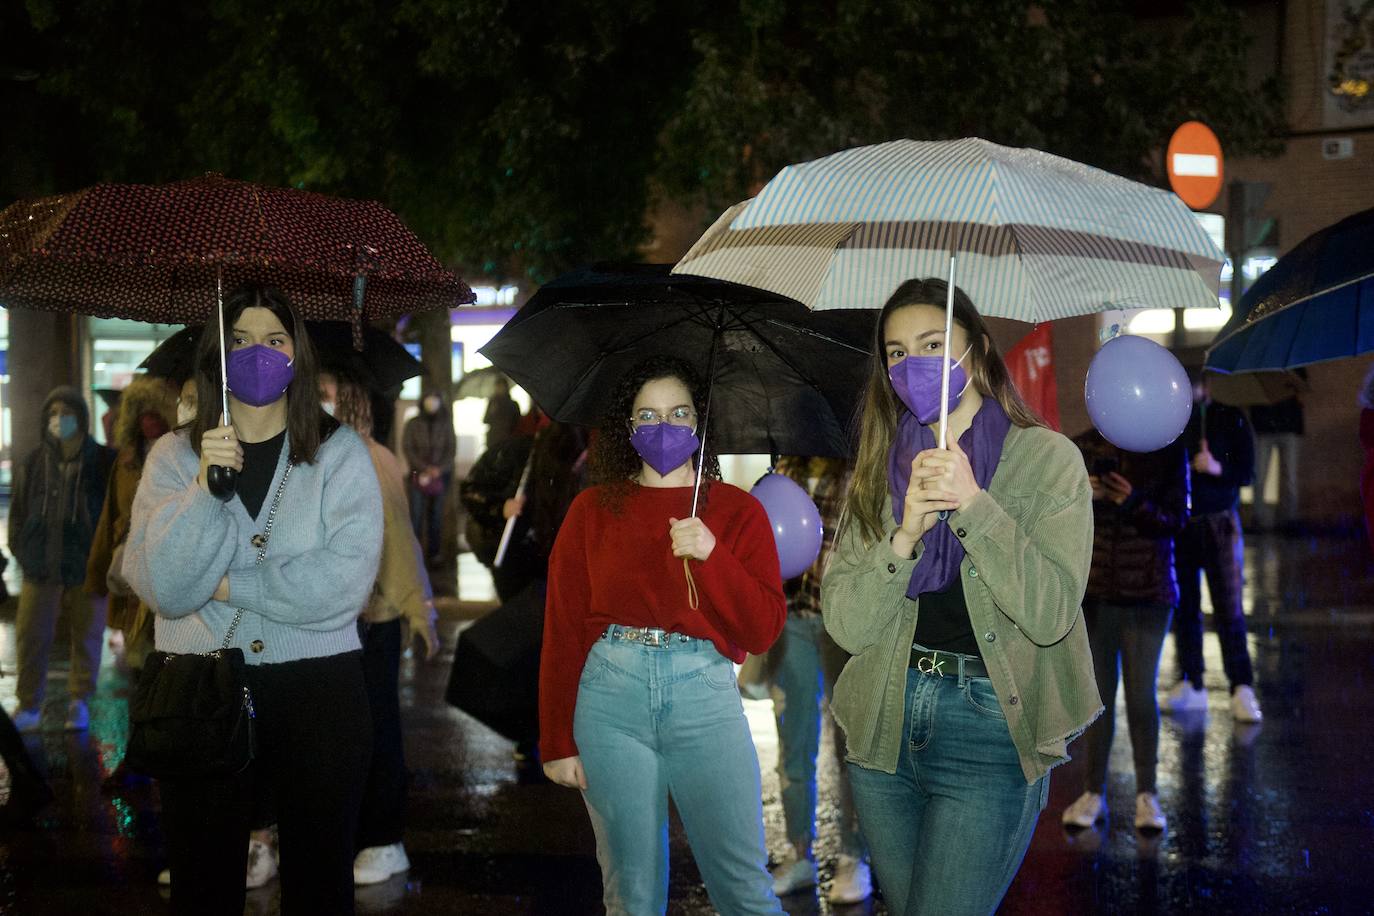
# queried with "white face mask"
point(327, 407)
point(432, 405)
point(186, 413)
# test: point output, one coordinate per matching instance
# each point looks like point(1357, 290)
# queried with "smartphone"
point(1104, 466)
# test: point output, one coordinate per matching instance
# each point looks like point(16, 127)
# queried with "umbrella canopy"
point(155, 252)
point(479, 383)
point(1251, 389)
point(382, 363)
point(785, 381)
point(1038, 237)
point(1316, 303)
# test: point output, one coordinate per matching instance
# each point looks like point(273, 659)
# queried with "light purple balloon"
point(795, 519)
point(1138, 394)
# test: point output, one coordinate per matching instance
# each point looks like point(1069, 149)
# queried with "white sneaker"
point(78, 716)
point(1148, 815)
point(377, 863)
point(1185, 698)
point(1086, 811)
point(164, 878)
point(262, 864)
point(794, 876)
point(853, 882)
point(1244, 707)
point(28, 720)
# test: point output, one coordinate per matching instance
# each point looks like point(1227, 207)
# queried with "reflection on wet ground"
point(1277, 818)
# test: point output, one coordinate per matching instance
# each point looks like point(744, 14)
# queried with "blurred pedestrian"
point(430, 448)
point(804, 664)
point(146, 412)
point(307, 496)
point(492, 482)
point(1278, 433)
point(1221, 451)
point(638, 699)
point(502, 414)
point(956, 583)
point(1140, 505)
point(54, 507)
point(401, 609)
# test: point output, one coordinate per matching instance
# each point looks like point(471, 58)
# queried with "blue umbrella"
point(1315, 304)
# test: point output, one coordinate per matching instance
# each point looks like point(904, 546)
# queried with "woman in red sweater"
point(647, 609)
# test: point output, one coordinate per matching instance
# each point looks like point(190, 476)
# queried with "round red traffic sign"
point(1195, 165)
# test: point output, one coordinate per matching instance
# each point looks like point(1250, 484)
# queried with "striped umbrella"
point(1038, 237)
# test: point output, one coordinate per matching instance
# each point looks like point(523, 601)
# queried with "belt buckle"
point(653, 638)
point(930, 665)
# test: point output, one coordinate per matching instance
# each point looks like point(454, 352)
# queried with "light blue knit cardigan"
point(303, 600)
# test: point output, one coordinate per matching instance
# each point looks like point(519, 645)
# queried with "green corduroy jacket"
point(1028, 542)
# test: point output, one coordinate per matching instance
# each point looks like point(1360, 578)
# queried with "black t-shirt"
point(942, 621)
point(259, 467)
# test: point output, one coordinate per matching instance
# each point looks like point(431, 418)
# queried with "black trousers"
point(383, 818)
point(314, 744)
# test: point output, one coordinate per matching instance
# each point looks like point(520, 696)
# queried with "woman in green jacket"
point(956, 584)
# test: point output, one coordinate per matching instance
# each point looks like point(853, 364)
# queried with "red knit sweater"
point(608, 568)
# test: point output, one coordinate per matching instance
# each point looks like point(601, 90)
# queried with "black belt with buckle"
point(946, 664)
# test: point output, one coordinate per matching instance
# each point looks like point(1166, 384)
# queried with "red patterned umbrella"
point(154, 253)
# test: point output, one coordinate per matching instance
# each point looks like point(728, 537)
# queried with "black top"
point(1230, 441)
point(259, 467)
point(942, 621)
point(1283, 417)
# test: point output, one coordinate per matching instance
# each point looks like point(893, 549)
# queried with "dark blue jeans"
point(947, 832)
point(427, 518)
point(1211, 545)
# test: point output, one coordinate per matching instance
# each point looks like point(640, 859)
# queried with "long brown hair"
point(880, 409)
point(614, 461)
point(306, 423)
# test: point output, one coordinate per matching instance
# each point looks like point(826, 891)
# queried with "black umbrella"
point(383, 363)
point(784, 379)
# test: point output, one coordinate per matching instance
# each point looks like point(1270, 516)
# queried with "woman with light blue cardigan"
point(306, 487)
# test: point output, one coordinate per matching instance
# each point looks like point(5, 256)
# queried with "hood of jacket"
point(69, 396)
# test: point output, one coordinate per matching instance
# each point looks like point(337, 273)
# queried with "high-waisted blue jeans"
point(947, 832)
point(655, 721)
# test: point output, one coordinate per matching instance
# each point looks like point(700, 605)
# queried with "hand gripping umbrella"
point(1036, 236)
point(163, 253)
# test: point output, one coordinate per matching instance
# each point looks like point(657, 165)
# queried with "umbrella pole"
point(223, 362)
point(510, 522)
point(710, 392)
point(944, 372)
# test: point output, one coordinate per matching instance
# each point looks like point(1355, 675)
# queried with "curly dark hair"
point(614, 462)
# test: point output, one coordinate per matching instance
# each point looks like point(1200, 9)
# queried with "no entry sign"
point(1194, 162)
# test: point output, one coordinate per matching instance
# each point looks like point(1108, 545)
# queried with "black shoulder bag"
point(192, 714)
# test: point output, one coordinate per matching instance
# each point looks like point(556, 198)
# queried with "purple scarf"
point(982, 442)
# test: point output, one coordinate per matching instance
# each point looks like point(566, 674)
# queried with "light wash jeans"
point(947, 832)
point(805, 663)
point(655, 721)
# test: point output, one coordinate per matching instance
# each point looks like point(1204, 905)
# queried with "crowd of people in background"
point(978, 599)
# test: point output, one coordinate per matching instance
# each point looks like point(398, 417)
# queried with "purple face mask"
point(663, 446)
point(916, 380)
point(259, 375)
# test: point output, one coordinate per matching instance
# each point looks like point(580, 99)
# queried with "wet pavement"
point(1276, 818)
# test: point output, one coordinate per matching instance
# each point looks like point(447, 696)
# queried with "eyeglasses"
point(682, 415)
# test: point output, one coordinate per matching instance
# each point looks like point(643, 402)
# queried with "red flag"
point(1031, 364)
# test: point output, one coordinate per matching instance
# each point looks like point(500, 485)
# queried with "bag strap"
point(261, 542)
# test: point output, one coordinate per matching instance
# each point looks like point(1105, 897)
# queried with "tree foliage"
point(520, 139)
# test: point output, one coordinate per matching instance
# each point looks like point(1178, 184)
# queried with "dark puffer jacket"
point(1133, 544)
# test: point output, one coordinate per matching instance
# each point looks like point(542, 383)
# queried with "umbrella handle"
point(221, 481)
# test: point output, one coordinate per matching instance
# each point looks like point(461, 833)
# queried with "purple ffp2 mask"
point(916, 380)
point(664, 446)
point(259, 375)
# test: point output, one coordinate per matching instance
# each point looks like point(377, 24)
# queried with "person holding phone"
point(1140, 505)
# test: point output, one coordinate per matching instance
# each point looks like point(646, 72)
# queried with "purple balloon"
point(795, 519)
point(1138, 394)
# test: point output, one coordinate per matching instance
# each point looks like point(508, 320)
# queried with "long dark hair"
point(307, 424)
point(881, 408)
point(614, 462)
